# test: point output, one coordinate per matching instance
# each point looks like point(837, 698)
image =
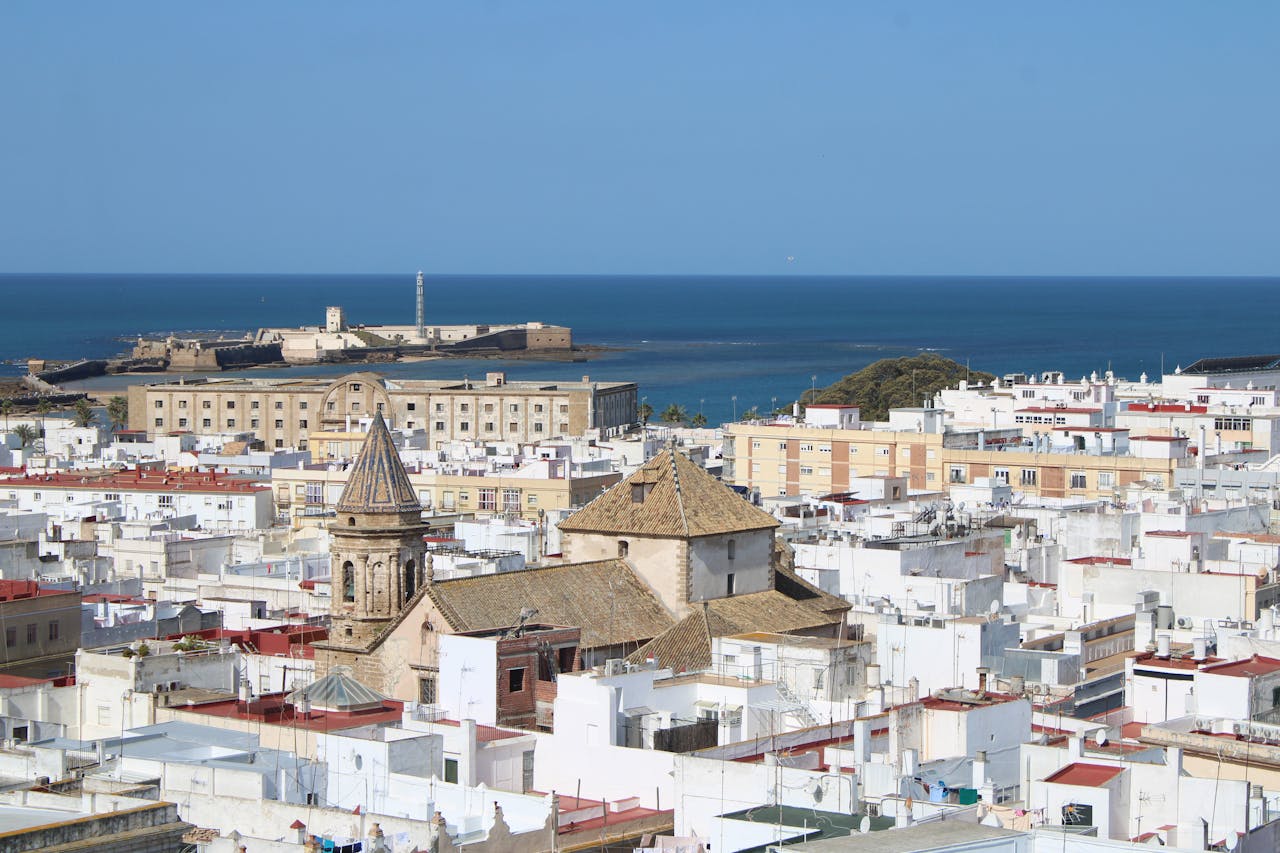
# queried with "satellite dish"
point(864, 825)
point(1100, 737)
point(994, 607)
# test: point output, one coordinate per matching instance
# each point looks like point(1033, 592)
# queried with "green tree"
point(118, 412)
point(84, 414)
point(751, 414)
point(674, 414)
point(6, 409)
point(699, 420)
point(26, 434)
point(644, 411)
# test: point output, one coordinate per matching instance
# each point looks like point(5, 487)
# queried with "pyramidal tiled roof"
point(378, 481)
point(338, 691)
point(670, 495)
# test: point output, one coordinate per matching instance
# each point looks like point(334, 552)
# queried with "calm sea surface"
point(693, 340)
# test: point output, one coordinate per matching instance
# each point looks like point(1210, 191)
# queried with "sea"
point(716, 345)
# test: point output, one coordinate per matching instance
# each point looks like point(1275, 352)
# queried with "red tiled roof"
point(142, 481)
point(1102, 561)
point(1264, 538)
point(485, 734)
point(1085, 775)
point(11, 681)
point(1158, 438)
point(273, 709)
point(938, 703)
point(1168, 408)
point(1150, 659)
point(1089, 429)
point(13, 590)
point(1248, 668)
point(1172, 534)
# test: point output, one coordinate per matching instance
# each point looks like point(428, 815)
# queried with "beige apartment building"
point(309, 492)
point(785, 459)
point(285, 412)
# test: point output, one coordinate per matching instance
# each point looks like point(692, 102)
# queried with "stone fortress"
point(337, 340)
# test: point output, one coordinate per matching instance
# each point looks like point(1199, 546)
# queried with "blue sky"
point(1136, 138)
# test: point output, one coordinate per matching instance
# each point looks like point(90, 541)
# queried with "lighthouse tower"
point(422, 337)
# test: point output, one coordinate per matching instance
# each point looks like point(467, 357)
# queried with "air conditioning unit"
point(1184, 622)
point(615, 666)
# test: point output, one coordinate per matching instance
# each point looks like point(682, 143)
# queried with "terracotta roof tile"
point(686, 647)
point(604, 599)
point(670, 495)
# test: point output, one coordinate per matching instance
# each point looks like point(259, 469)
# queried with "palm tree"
point(674, 414)
point(751, 414)
point(43, 408)
point(84, 414)
point(644, 411)
point(118, 412)
point(6, 409)
point(26, 434)
point(699, 420)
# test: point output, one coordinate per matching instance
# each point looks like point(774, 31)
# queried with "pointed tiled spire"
point(378, 482)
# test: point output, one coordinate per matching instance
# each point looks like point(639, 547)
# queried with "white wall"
point(469, 678)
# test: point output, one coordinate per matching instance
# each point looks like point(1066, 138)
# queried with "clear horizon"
point(912, 139)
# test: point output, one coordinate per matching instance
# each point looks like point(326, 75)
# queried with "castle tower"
point(376, 553)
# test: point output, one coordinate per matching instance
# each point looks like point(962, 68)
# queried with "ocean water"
point(697, 341)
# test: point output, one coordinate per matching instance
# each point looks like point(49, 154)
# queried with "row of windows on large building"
point(332, 406)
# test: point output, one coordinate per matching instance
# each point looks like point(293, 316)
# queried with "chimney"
point(1199, 648)
point(1162, 646)
point(862, 739)
point(982, 679)
point(979, 768)
point(467, 756)
point(1075, 746)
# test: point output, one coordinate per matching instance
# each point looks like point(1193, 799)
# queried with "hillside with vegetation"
point(894, 383)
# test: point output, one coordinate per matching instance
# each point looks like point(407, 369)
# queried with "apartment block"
point(787, 458)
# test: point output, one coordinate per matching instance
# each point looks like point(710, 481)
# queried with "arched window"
point(623, 547)
point(732, 549)
point(410, 579)
point(348, 581)
point(351, 521)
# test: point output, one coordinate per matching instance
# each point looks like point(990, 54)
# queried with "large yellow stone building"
point(286, 412)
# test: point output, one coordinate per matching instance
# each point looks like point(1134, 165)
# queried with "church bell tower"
point(377, 554)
